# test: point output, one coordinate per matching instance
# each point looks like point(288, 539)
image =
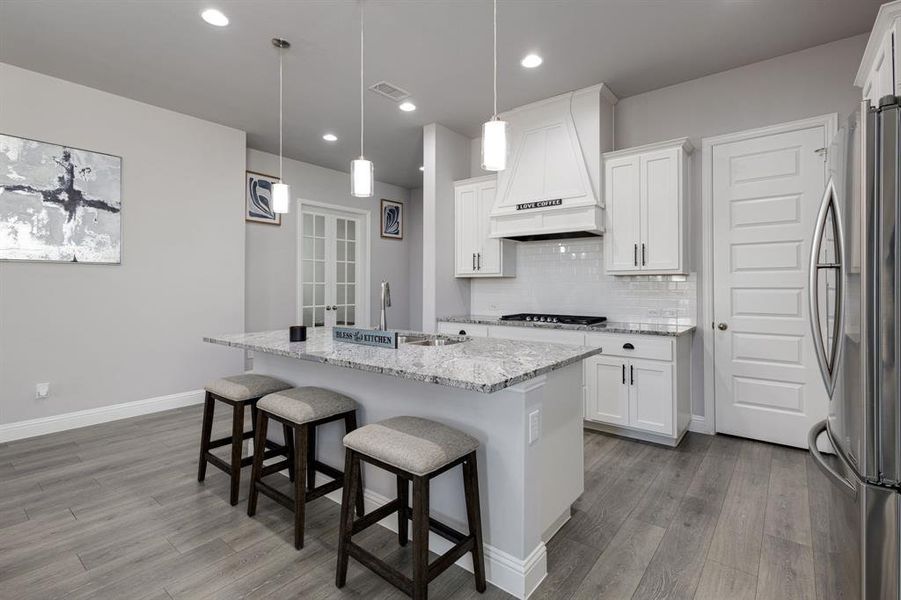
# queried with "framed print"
point(59, 203)
point(392, 220)
point(258, 199)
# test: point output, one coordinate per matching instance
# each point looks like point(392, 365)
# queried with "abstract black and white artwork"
point(392, 219)
point(258, 202)
point(58, 203)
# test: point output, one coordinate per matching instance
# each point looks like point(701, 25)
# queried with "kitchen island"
point(521, 400)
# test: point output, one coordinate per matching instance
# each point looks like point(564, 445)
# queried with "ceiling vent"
point(389, 91)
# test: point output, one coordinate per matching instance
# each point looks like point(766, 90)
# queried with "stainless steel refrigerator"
point(855, 309)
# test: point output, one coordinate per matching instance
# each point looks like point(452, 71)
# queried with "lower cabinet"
point(637, 393)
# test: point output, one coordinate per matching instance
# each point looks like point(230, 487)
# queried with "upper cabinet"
point(646, 194)
point(552, 182)
point(878, 73)
point(475, 253)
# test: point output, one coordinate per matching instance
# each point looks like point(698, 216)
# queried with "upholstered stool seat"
point(238, 391)
point(304, 404)
point(415, 450)
point(301, 411)
point(245, 387)
point(417, 446)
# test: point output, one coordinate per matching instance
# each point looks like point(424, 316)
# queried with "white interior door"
point(332, 281)
point(766, 193)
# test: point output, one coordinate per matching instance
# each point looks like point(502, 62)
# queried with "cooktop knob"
point(528, 318)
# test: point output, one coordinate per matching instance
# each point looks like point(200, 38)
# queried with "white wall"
point(271, 296)
point(812, 82)
point(446, 159)
point(104, 334)
point(414, 221)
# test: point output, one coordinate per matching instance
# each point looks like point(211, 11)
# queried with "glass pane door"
point(331, 285)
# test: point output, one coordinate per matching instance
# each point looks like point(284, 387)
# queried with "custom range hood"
point(552, 187)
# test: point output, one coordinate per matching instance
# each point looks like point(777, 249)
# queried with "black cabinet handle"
point(473, 261)
point(643, 262)
point(635, 255)
point(632, 374)
point(628, 346)
point(624, 374)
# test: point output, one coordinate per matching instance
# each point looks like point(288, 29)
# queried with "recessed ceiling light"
point(214, 17)
point(407, 106)
point(530, 61)
point(330, 137)
point(421, 168)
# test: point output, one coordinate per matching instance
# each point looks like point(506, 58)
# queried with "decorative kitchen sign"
point(258, 199)
point(366, 337)
point(392, 220)
point(58, 203)
point(539, 204)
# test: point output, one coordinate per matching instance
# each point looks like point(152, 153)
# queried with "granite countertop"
point(606, 327)
point(479, 364)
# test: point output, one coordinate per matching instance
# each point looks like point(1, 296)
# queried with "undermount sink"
point(410, 339)
point(436, 342)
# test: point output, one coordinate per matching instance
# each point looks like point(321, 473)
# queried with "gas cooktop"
point(562, 319)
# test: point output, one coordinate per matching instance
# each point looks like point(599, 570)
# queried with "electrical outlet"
point(41, 390)
point(534, 426)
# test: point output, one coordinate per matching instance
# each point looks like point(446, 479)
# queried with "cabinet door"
point(606, 390)
point(488, 261)
point(623, 214)
point(660, 188)
point(651, 396)
point(466, 228)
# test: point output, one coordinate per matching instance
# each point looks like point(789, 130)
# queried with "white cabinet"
point(651, 396)
point(646, 193)
point(477, 254)
point(878, 73)
point(606, 393)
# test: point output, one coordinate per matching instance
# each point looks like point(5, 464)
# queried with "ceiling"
point(162, 53)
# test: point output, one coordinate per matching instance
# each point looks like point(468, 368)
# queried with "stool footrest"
point(274, 468)
point(444, 561)
point(324, 489)
point(218, 462)
point(276, 495)
point(375, 516)
point(448, 533)
point(328, 470)
point(381, 569)
point(221, 442)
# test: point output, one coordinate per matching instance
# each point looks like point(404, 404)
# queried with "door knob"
point(722, 327)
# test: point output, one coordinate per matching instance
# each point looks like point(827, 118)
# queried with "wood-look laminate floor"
point(115, 511)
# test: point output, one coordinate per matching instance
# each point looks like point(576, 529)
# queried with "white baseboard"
point(516, 577)
point(699, 424)
point(93, 416)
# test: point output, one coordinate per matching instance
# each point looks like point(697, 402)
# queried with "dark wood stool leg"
point(420, 538)
point(205, 433)
point(259, 449)
point(311, 458)
point(351, 462)
point(300, 494)
point(237, 448)
point(289, 451)
point(474, 516)
point(350, 423)
point(403, 499)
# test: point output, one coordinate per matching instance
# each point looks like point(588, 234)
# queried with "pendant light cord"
point(495, 61)
point(281, 54)
point(362, 122)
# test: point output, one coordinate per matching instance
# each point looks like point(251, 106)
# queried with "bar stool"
point(300, 410)
point(237, 391)
point(416, 450)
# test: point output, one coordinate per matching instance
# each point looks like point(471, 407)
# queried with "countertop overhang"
point(667, 329)
point(484, 365)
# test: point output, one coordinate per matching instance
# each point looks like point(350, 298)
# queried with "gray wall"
point(104, 335)
point(803, 84)
point(414, 220)
point(271, 294)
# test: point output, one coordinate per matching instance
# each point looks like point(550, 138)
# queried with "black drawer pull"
point(462, 332)
point(628, 346)
point(624, 374)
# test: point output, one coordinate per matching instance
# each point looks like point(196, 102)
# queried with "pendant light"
point(494, 132)
point(361, 172)
point(281, 192)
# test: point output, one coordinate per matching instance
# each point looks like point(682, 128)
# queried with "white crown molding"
point(885, 18)
point(683, 143)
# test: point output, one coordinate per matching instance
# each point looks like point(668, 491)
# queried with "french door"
point(332, 267)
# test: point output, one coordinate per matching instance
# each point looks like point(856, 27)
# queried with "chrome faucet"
point(386, 302)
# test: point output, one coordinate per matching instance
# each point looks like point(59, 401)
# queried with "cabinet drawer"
point(463, 329)
point(536, 334)
point(643, 346)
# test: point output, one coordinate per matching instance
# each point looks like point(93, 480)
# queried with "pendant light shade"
point(494, 132)
point(281, 192)
point(494, 145)
point(281, 197)
point(361, 178)
point(362, 174)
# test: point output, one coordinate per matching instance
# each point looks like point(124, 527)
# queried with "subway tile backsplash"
point(568, 277)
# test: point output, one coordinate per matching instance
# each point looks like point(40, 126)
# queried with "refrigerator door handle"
point(845, 484)
point(827, 359)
